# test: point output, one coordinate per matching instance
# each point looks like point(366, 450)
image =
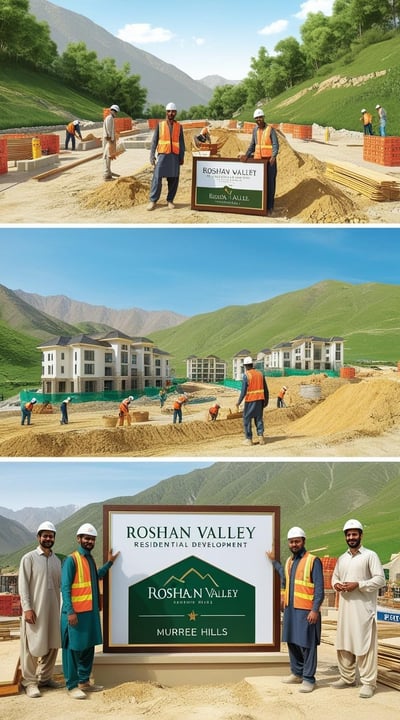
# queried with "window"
point(124, 370)
point(62, 387)
point(62, 356)
point(124, 347)
point(62, 370)
point(108, 357)
point(158, 362)
point(107, 371)
point(89, 355)
point(134, 359)
point(90, 386)
point(124, 357)
point(88, 369)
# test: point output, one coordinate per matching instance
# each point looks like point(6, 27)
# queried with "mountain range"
point(164, 82)
point(132, 321)
point(317, 496)
point(18, 527)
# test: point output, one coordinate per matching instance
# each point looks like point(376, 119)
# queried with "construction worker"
point(109, 142)
point(213, 412)
point(124, 411)
point(264, 145)
point(366, 119)
point(204, 136)
point(168, 144)
point(39, 582)
point(281, 394)
point(162, 395)
point(302, 580)
point(357, 576)
point(71, 130)
point(26, 411)
point(255, 394)
point(181, 400)
point(382, 120)
point(64, 411)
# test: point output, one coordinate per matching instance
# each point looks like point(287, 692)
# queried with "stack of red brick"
point(382, 150)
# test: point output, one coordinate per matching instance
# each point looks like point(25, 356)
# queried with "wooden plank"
point(57, 170)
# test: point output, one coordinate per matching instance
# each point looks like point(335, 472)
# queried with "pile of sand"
point(303, 192)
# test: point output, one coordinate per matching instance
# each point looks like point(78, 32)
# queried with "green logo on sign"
point(191, 602)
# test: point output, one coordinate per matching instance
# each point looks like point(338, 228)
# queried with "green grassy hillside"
point(317, 496)
point(365, 315)
point(340, 107)
point(29, 98)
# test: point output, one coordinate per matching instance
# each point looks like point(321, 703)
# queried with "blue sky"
point(65, 482)
point(219, 40)
point(192, 270)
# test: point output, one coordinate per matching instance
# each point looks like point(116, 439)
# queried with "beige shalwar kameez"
point(356, 640)
point(39, 582)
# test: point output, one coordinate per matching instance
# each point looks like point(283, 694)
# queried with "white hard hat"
point(377, 106)
point(87, 529)
point(170, 106)
point(130, 397)
point(363, 110)
point(284, 387)
point(68, 399)
point(33, 400)
point(114, 107)
point(295, 532)
point(248, 360)
point(46, 525)
point(76, 122)
point(353, 525)
point(258, 113)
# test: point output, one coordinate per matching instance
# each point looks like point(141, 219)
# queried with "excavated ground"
point(358, 417)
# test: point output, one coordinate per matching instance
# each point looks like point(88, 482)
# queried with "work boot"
point(292, 679)
point(151, 206)
point(88, 687)
point(341, 684)
point(77, 694)
point(33, 691)
point(306, 687)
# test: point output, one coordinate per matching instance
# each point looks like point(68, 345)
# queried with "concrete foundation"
point(134, 143)
point(187, 668)
point(46, 161)
point(89, 144)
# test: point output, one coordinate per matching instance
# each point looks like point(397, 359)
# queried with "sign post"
point(191, 578)
point(226, 185)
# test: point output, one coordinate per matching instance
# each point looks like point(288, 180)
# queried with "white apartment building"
point(210, 369)
point(103, 363)
point(304, 352)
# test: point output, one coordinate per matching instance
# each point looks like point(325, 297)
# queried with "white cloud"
point(275, 28)
point(314, 6)
point(144, 33)
point(198, 41)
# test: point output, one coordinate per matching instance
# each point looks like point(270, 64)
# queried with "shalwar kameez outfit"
point(302, 637)
point(254, 392)
point(256, 150)
point(39, 580)
point(168, 163)
point(78, 641)
point(356, 639)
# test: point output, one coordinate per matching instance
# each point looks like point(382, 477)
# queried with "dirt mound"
point(124, 193)
point(365, 408)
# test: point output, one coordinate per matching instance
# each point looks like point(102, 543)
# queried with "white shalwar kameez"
point(356, 640)
point(39, 582)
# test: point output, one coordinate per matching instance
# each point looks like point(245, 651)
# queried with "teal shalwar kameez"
point(78, 641)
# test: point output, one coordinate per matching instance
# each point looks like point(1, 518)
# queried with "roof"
point(64, 340)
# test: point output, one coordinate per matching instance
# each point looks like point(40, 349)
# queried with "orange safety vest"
point(71, 128)
point(303, 596)
point(81, 588)
point(367, 118)
point(124, 407)
point(281, 394)
point(29, 406)
point(255, 386)
point(263, 145)
point(168, 142)
point(179, 402)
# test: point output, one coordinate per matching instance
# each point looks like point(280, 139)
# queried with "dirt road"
point(352, 418)
point(304, 194)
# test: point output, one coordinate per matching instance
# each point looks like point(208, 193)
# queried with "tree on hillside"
point(22, 38)
point(290, 58)
point(318, 40)
point(102, 79)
